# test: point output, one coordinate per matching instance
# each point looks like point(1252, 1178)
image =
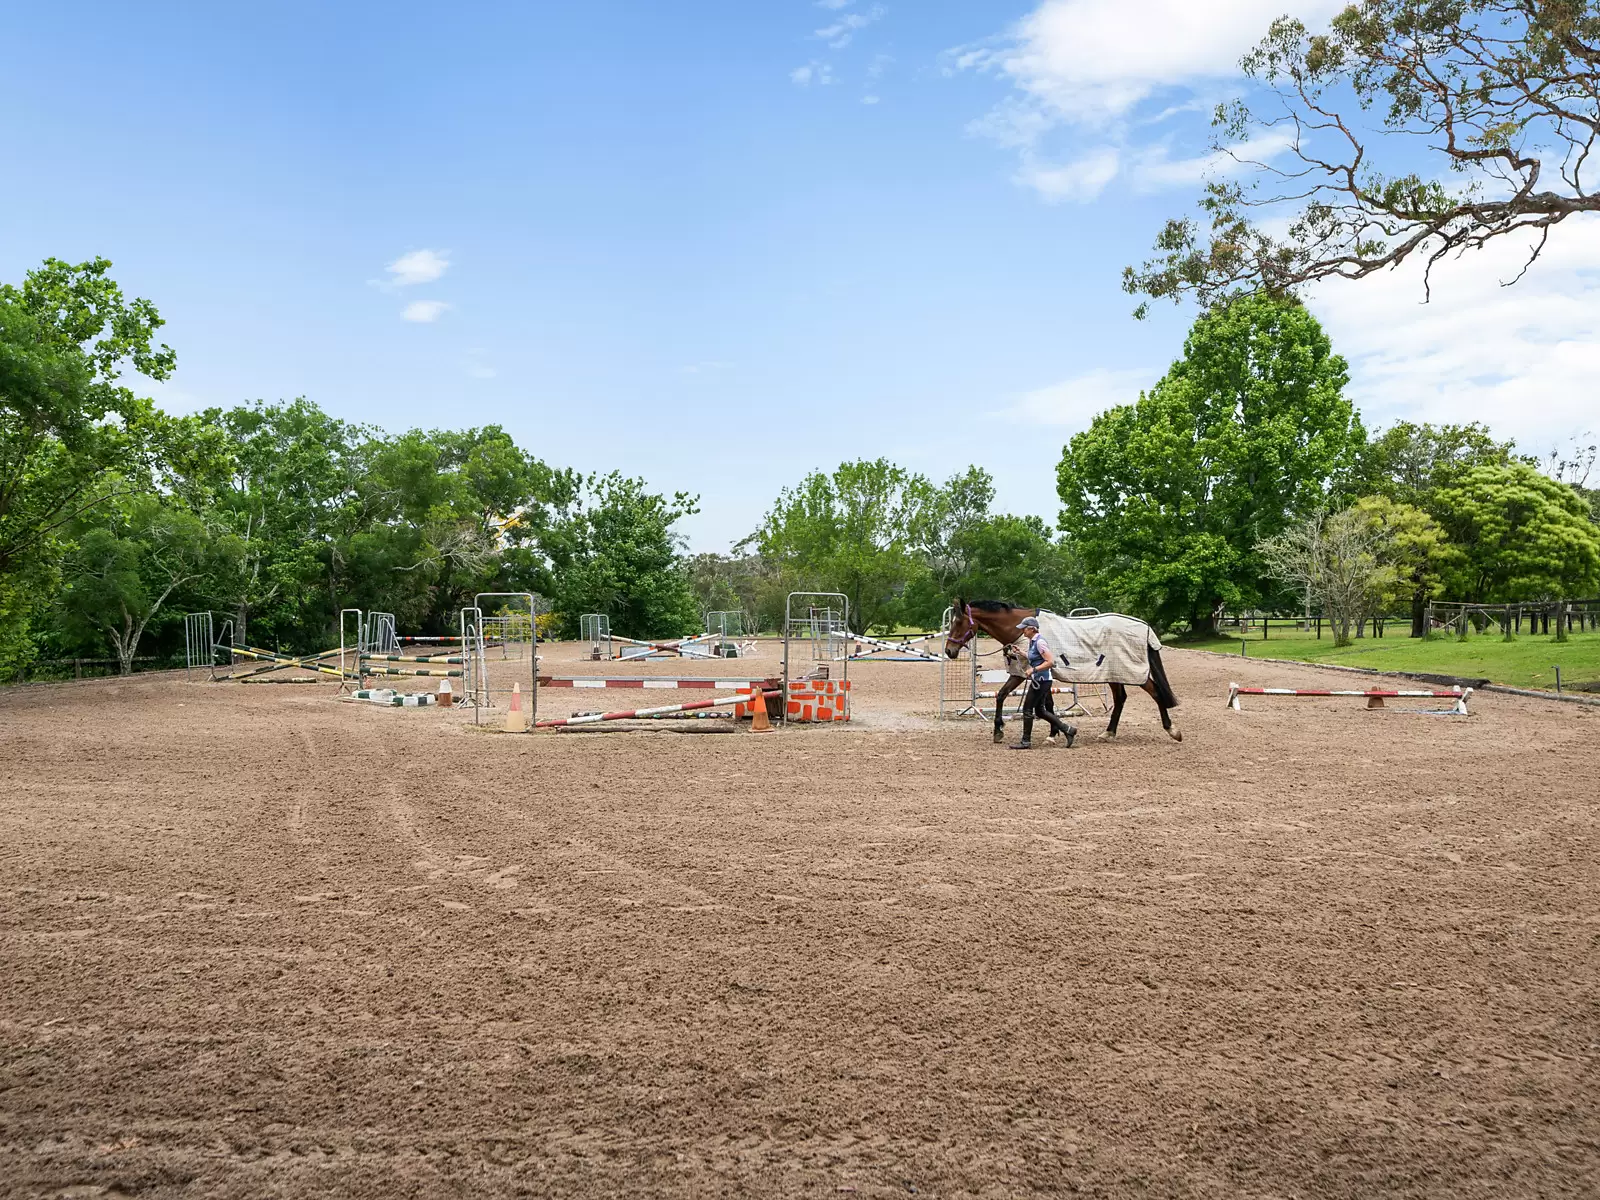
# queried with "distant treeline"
point(116, 518)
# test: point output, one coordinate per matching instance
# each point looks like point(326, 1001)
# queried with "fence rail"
point(1542, 616)
point(1443, 616)
point(1255, 624)
point(110, 665)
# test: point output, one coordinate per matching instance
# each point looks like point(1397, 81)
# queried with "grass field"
point(1529, 661)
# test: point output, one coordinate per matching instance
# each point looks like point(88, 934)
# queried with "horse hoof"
point(999, 736)
point(1175, 734)
point(1107, 736)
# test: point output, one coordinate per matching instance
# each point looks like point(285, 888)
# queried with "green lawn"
point(1526, 662)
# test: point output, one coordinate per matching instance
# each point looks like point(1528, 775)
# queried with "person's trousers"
point(1039, 702)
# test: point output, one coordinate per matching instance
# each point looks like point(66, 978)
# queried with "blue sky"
point(714, 244)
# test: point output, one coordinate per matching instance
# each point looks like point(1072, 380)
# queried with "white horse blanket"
point(1108, 648)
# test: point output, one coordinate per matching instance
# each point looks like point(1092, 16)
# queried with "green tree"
point(747, 582)
point(334, 515)
point(1487, 112)
point(1408, 462)
point(1337, 560)
point(854, 531)
point(1416, 547)
point(1167, 499)
point(290, 495)
point(122, 573)
point(445, 514)
point(72, 436)
point(1015, 558)
point(943, 528)
point(1522, 536)
point(628, 562)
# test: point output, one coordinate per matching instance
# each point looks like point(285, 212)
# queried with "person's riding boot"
point(1057, 725)
point(1027, 735)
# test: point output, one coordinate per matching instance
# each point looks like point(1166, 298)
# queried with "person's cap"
point(1029, 623)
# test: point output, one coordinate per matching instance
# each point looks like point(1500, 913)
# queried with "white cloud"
point(1074, 402)
point(479, 371)
point(839, 34)
point(423, 311)
point(834, 4)
point(418, 266)
point(1088, 61)
point(1081, 180)
point(819, 73)
point(870, 99)
point(1087, 68)
point(1154, 170)
point(1523, 359)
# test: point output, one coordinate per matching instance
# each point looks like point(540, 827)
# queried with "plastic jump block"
point(819, 700)
point(382, 696)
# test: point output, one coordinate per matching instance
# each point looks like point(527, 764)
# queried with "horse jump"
point(1374, 696)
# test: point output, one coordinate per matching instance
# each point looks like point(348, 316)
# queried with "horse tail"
point(1158, 676)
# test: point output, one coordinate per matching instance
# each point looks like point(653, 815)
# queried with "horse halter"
point(972, 630)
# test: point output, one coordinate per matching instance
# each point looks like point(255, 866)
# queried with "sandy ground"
point(256, 943)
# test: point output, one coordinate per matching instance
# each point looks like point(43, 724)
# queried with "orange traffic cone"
point(758, 711)
point(516, 719)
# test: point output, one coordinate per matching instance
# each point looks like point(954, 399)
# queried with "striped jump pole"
point(1374, 696)
point(879, 645)
point(671, 646)
point(1055, 691)
point(745, 697)
point(366, 670)
point(280, 662)
point(409, 658)
point(646, 683)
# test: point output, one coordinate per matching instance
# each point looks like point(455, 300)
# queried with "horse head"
point(963, 628)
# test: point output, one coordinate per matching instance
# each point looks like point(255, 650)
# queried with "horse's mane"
point(993, 605)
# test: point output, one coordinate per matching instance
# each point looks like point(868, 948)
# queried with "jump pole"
point(648, 683)
point(279, 662)
point(595, 718)
point(879, 645)
point(1374, 696)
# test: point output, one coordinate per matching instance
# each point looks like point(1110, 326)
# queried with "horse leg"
point(1166, 719)
point(1119, 697)
point(1006, 688)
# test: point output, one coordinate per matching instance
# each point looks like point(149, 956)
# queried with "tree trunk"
point(1203, 623)
point(1361, 627)
point(1419, 613)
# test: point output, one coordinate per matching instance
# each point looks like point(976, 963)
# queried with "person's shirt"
point(1037, 649)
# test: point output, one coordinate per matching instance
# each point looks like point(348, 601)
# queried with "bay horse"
point(1001, 622)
